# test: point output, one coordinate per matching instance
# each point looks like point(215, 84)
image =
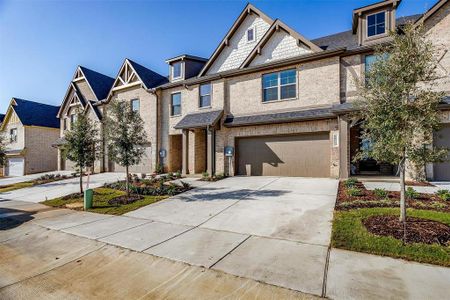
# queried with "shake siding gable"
point(280, 46)
point(238, 49)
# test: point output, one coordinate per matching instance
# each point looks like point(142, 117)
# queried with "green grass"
point(101, 198)
point(15, 186)
point(349, 233)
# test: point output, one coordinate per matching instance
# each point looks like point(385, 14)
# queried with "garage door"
point(15, 167)
point(305, 155)
point(442, 139)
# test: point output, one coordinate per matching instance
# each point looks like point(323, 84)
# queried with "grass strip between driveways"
point(16, 186)
point(101, 205)
point(349, 233)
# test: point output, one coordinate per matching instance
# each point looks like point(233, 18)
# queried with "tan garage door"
point(306, 155)
point(442, 139)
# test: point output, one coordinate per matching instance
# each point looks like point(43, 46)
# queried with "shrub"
point(159, 169)
point(438, 205)
point(205, 175)
point(354, 192)
point(143, 176)
point(178, 174)
point(185, 185)
point(443, 194)
point(351, 182)
point(380, 193)
point(411, 193)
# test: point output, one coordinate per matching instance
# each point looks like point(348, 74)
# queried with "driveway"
point(13, 180)
point(60, 188)
point(270, 229)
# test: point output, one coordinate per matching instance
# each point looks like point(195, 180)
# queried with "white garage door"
point(15, 166)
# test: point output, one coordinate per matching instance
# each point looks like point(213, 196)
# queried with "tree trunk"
point(403, 198)
point(81, 180)
point(127, 182)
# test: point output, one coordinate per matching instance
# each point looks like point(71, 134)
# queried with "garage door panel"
point(294, 155)
point(442, 139)
point(15, 166)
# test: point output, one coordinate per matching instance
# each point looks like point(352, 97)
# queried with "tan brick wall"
point(148, 111)
point(40, 156)
point(318, 85)
point(351, 70)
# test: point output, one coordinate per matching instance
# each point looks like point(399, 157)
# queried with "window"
point(205, 95)
point(73, 119)
point(279, 86)
point(176, 70)
point(376, 24)
point(65, 123)
point(369, 60)
point(175, 104)
point(135, 105)
point(13, 135)
point(251, 34)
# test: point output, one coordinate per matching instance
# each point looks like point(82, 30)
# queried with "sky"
point(42, 42)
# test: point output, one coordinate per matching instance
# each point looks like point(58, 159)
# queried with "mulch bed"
point(368, 200)
point(123, 200)
point(418, 183)
point(417, 230)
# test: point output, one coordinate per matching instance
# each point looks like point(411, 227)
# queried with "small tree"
point(399, 104)
point(82, 144)
point(126, 136)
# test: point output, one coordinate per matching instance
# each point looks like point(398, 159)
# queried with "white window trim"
point(181, 70)
point(367, 25)
point(254, 34)
point(13, 138)
point(279, 86)
point(171, 105)
point(200, 95)
point(139, 101)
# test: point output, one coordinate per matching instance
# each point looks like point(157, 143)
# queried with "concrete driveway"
point(60, 188)
point(271, 229)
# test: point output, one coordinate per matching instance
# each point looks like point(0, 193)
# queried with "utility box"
point(88, 198)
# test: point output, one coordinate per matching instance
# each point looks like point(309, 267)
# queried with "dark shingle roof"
point(348, 39)
point(36, 114)
point(277, 117)
point(199, 120)
point(100, 84)
point(150, 78)
point(2, 117)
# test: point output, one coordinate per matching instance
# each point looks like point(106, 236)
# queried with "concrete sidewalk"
point(13, 180)
point(395, 186)
point(60, 188)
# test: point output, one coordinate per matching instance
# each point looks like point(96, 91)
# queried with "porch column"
point(211, 150)
point(185, 152)
point(344, 132)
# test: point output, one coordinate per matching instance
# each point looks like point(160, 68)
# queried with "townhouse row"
point(267, 102)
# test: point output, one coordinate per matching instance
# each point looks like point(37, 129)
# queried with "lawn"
point(15, 186)
point(350, 233)
point(101, 205)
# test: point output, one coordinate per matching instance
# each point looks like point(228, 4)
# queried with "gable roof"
point(349, 40)
point(249, 8)
point(432, 10)
point(99, 83)
point(33, 113)
point(359, 10)
point(149, 78)
point(276, 26)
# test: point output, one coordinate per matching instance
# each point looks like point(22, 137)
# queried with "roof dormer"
point(185, 66)
point(372, 23)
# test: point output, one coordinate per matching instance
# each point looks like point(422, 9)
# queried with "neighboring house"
point(135, 84)
point(85, 93)
point(30, 129)
point(278, 103)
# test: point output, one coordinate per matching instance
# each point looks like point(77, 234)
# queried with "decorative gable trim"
point(275, 27)
point(249, 9)
point(69, 101)
point(126, 77)
point(431, 11)
point(8, 114)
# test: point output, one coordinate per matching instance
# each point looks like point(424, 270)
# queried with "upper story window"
point(175, 104)
point(13, 135)
point(205, 95)
point(135, 105)
point(376, 24)
point(176, 70)
point(280, 85)
point(65, 124)
point(73, 119)
point(251, 34)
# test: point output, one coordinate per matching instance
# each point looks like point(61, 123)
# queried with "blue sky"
point(42, 42)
